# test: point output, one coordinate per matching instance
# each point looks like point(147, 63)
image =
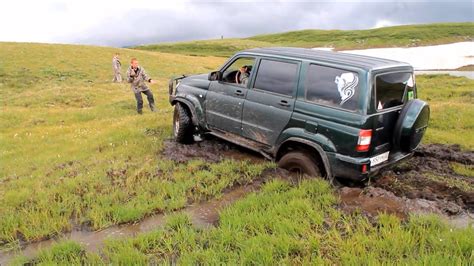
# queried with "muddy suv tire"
point(411, 125)
point(182, 125)
point(300, 162)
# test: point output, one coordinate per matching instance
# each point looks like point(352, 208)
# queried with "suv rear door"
point(269, 104)
point(390, 91)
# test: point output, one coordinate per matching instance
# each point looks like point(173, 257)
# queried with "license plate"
point(379, 159)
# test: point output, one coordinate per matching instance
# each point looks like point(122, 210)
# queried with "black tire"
point(411, 125)
point(300, 162)
point(182, 125)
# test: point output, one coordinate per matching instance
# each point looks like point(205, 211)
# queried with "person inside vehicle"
point(243, 75)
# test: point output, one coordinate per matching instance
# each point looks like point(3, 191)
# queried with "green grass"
point(223, 48)
point(398, 36)
point(290, 225)
point(463, 169)
point(452, 116)
point(451, 182)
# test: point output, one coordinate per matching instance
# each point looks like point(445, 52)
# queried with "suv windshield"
point(393, 89)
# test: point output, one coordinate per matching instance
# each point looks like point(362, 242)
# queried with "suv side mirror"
point(215, 75)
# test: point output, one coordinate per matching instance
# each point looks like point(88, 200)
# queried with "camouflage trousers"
point(149, 96)
point(117, 76)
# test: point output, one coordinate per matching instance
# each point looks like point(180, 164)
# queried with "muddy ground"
point(429, 182)
point(210, 150)
point(426, 183)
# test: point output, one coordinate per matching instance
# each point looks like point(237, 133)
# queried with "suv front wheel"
point(182, 125)
point(300, 162)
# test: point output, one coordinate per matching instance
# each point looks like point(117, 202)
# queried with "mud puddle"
point(426, 183)
point(203, 215)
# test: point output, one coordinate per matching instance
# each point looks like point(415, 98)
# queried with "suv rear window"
point(393, 88)
point(278, 77)
point(332, 87)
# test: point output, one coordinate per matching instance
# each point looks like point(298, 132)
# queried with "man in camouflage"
point(137, 76)
point(243, 78)
point(116, 66)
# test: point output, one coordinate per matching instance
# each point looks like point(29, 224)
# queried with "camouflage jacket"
point(116, 65)
point(244, 78)
point(138, 79)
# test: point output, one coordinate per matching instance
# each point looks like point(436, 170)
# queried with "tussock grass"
point(286, 224)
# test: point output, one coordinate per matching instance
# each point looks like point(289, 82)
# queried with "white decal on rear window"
point(346, 84)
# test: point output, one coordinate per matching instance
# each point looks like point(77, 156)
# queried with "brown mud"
point(426, 183)
point(210, 150)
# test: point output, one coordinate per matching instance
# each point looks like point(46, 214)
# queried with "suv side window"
point(332, 87)
point(393, 89)
point(239, 71)
point(277, 77)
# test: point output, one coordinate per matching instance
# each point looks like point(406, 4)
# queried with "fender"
point(314, 145)
point(325, 143)
point(197, 114)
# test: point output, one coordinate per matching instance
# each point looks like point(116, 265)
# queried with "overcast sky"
point(132, 22)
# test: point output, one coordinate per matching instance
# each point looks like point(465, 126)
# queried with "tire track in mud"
point(426, 183)
point(407, 189)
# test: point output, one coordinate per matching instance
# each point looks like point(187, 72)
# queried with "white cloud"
point(129, 22)
point(383, 23)
point(51, 20)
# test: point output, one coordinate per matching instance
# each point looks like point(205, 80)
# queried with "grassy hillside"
point(398, 36)
point(74, 153)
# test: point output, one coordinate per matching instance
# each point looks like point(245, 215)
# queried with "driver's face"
point(243, 69)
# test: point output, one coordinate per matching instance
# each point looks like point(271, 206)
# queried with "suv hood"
point(200, 81)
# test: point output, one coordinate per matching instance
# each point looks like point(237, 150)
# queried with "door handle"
point(239, 93)
point(284, 103)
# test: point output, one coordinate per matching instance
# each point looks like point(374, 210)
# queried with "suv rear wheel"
point(182, 125)
point(300, 162)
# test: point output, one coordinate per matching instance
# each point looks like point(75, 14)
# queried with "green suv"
point(315, 112)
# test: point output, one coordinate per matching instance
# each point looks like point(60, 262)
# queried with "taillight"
point(365, 136)
point(364, 168)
